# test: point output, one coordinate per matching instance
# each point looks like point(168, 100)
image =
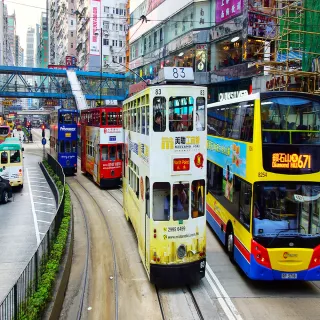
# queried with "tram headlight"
point(181, 251)
point(68, 162)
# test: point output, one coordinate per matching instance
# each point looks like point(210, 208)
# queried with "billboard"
point(94, 27)
point(228, 9)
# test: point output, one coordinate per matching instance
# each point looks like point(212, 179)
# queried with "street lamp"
point(106, 34)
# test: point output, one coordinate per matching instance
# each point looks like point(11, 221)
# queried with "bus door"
point(4, 165)
point(147, 223)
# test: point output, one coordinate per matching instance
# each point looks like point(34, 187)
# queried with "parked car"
point(5, 190)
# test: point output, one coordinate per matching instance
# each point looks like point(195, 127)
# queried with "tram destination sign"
point(176, 74)
point(181, 164)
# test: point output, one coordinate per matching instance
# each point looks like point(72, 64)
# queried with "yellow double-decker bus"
point(263, 178)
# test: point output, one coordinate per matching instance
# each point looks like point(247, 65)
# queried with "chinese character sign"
point(227, 9)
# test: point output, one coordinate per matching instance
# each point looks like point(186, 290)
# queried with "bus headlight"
point(181, 251)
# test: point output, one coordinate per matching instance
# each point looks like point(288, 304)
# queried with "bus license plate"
point(289, 276)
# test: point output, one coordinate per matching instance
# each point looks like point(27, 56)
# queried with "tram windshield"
point(67, 118)
point(290, 120)
point(286, 208)
point(181, 113)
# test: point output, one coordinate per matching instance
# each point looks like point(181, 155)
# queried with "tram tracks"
point(84, 207)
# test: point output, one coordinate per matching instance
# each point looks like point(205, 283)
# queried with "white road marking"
point(46, 204)
point(38, 181)
point(43, 197)
point(45, 212)
point(33, 212)
point(42, 191)
point(44, 221)
point(42, 233)
point(225, 296)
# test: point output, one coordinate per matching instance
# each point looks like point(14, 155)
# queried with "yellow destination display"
point(291, 161)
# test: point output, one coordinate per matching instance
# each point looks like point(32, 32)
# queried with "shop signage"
point(180, 42)
point(225, 29)
point(261, 26)
point(232, 95)
point(227, 9)
point(94, 26)
point(262, 6)
point(153, 4)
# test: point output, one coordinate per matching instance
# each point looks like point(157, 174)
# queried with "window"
point(114, 10)
point(197, 198)
point(71, 21)
point(180, 201)
point(233, 121)
point(120, 59)
point(114, 59)
point(134, 177)
point(138, 119)
point(71, 33)
point(245, 203)
point(74, 146)
point(117, 11)
point(200, 114)
point(116, 27)
point(105, 58)
point(150, 42)
point(121, 27)
point(71, 45)
point(161, 35)
point(147, 197)
point(181, 113)
point(124, 59)
point(103, 118)
point(105, 25)
point(105, 42)
point(159, 112)
point(104, 153)
point(106, 9)
point(121, 12)
point(62, 148)
point(144, 44)
point(155, 38)
point(112, 152)
point(15, 156)
point(161, 201)
point(143, 120)
point(68, 146)
point(119, 152)
point(120, 43)
point(4, 158)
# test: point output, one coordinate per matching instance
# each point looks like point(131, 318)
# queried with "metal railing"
point(17, 300)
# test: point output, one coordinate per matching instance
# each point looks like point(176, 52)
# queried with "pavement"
point(25, 219)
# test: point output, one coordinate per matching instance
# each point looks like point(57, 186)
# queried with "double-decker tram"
point(63, 138)
point(264, 183)
point(102, 144)
point(164, 176)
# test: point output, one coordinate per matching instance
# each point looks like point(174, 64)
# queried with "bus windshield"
point(290, 120)
point(286, 208)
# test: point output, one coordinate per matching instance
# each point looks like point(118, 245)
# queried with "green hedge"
point(38, 301)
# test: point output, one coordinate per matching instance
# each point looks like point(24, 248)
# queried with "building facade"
point(43, 47)
point(11, 35)
point(18, 52)
point(62, 30)
point(110, 16)
point(222, 40)
point(30, 49)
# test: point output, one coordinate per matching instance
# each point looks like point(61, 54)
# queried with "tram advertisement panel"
point(66, 132)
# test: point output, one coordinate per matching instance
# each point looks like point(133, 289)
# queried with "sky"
point(26, 15)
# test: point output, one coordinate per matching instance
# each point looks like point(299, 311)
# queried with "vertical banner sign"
point(201, 58)
point(94, 26)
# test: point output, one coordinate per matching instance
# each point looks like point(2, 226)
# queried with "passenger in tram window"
point(180, 203)
point(198, 123)
point(157, 122)
point(171, 121)
point(112, 153)
point(177, 123)
point(104, 153)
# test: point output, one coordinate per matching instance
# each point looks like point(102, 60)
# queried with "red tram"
point(102, 144)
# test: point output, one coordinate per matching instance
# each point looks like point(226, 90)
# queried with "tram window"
point(159, 112)
point(200, 114)
point(62, 146)
point(103, 118)
point(15, 156)
point(180, 201)
point(138, 119)
point(112, 153)
point(143, 120)
point(4, 158)
point(119, 150)
point(161, 201)
point(197, 198)
point(68, 146)
point(74, 146)
point(120, 118)
point(104, 153)
point(147, 121)
point(181, 113)
point(67, 118)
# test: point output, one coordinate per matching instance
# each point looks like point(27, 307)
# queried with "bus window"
point(245, 203)
point(159, 112)
point(74, 146)
point(119, 149)
point(181, 113)
point(4, 158)
point(15, 156)
point(104, 153)
point(161, 201)
point(180, 201)
point(103, 118)
point(200, 114)
point(215, 176)
point(62, 146)
point(112, 153)
point(68, 146)
point(197, 198)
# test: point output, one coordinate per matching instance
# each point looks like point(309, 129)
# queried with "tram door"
point(96, 164)
point(147, 225)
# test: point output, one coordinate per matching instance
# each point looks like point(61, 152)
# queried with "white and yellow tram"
point(165, 176)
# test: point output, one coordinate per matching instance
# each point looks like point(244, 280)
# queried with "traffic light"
point(43, 132)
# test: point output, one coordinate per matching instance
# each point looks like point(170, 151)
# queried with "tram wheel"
point(230, 245)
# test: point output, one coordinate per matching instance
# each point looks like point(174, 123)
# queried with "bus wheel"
point(230, 245)
point(5, 196)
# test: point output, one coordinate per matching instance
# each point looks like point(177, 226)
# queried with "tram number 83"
point(176, 75)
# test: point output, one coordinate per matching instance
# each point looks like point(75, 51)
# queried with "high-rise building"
point(110, 15)
point(11, 34)
point(37, 44)
point(62, 30)
point(2, 17)
point(18, 52)
point(30, 47)
point(42, 49)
